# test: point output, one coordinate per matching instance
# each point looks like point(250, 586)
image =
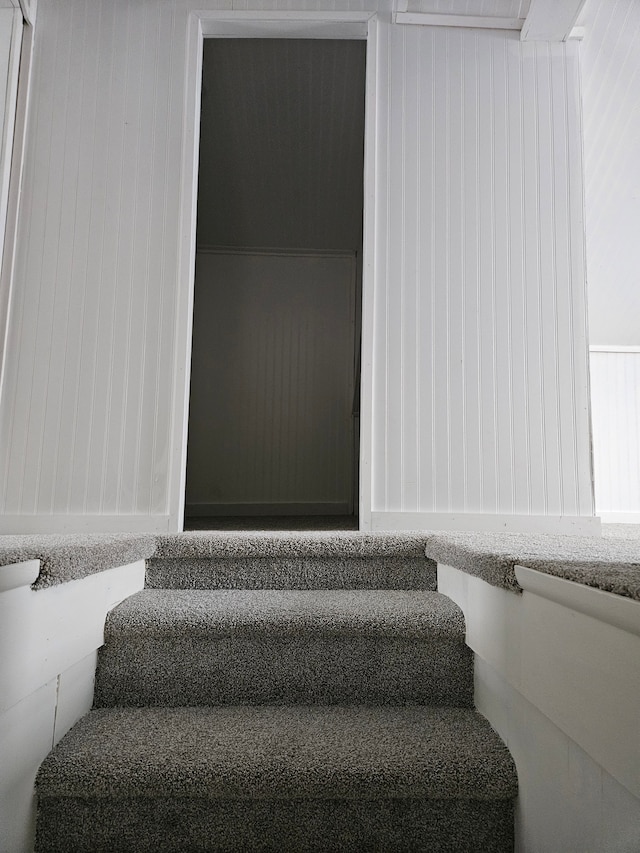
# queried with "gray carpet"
point(177, 647)
point(289, 545)
point(225, 613)
point(282, 719)
point(67, 557)
point(278, 779)
point(310, 560)
point(280, 753)
point(337, 572)
point(170, 825)
point(289, 560)
point(611, 564)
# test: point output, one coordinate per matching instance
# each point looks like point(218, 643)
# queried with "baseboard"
point(93, 523)
point(199, 510)
point(620, 517)
point(575, 525)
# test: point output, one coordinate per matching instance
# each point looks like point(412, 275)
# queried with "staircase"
point(283, 692)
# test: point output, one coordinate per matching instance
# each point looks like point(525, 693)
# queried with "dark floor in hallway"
point(273, 522)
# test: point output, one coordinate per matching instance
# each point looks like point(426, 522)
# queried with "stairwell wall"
point(478, 376)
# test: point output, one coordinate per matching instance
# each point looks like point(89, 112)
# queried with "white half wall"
point(557, 676)
point(615, 394)
point(48, 643)
point(478, 355)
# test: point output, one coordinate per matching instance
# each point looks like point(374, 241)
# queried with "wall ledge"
point(609, 564)
point(616, 610)
point(65, 558)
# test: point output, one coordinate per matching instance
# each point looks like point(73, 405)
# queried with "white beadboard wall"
point(615, 391)
point(610, 60)
point(481, 391)
point(480, 369)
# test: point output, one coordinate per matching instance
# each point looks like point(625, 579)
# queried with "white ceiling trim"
point(438, 19)
point(295, 25)
point(551, 20)
point(484, 22)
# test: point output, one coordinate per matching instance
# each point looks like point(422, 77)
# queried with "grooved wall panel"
point(615, 392)
point(85, 416)
point(480, 397)
point(610, 61)
point(479, 369)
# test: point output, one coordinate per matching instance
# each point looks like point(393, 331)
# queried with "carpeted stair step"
point(257, 560)
point(285, 779)
point(282, 647)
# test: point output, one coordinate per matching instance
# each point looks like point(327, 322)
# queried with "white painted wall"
point(615, 394)
point(480, 371)
point(48, 650)
point(610, 60)
point(557, 676)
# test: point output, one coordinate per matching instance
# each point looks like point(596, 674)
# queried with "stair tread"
point(397, 613)
point(289, 544)
point(276, 753)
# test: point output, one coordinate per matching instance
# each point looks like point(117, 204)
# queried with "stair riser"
point(293, 670)
point(306, 573)
point(289, 826)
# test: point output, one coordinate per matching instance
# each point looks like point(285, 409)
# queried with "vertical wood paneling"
point(479, 370)
point(517, 313)
point(610, 62)
point(91, 354)
point(23, 410)
point(615, 394)
point(500, 291)
point(456, 231)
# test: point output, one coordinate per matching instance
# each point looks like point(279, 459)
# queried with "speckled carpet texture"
point(611, 563)
point(285, 693)
point(319, 560)
point(67, 557)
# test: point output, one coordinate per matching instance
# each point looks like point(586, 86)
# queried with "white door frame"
point(328, 25)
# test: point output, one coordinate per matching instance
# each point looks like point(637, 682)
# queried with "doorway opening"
point(273, 437)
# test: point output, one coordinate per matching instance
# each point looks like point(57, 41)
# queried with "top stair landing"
point(290, 560)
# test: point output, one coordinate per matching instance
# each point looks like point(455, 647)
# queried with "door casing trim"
point(327, 25)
